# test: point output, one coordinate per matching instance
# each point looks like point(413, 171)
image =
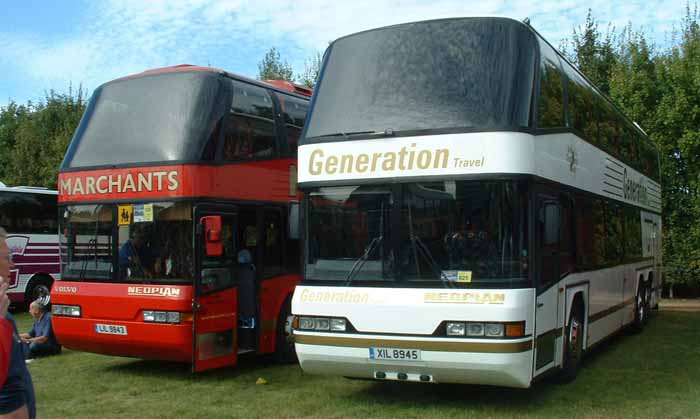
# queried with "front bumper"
point(505, 363)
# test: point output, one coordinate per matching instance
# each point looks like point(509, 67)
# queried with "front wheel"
point(573, 348)
point(285, 351)
point(38, 287)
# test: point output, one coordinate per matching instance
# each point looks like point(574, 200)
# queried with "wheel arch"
point(577, 296)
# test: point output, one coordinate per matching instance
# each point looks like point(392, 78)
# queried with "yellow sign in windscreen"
point(125, 214)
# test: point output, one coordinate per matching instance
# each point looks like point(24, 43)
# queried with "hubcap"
point(289, 336)
point(40, 291)
point(574, 332)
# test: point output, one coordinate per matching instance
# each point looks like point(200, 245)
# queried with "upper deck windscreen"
point(471, 73)
point(157, 118)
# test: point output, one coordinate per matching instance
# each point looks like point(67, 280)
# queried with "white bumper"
point(503, 363)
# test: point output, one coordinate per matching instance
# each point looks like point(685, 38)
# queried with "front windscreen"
point(156, 118)
point(152, 243)
point(474, 73)
point(452, 234)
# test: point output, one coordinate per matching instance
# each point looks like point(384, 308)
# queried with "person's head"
point(5, 256)
point(138, 237)
point(36, 309)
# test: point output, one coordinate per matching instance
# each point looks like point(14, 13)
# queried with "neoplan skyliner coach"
point(475, 210)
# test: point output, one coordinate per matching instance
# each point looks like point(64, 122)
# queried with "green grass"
point(653, 374)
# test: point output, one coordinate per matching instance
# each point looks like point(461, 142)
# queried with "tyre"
point(640, 308)
point(284, 346)
point(647, 301)
point(573, 345)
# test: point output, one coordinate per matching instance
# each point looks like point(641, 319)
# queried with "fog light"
point(494, 329)
point(338, 325)
point(475, 329)
point(455, 329)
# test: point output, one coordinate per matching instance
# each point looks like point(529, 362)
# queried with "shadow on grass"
point(248, 364)
point(463, 395)
point(454, 395)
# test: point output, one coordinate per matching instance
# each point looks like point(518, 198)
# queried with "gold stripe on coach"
point(425, 345)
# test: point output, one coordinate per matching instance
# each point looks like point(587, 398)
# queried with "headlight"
point(455, 329)
point(173, 317)
point(161, 316)
point(306, 323)
point(494, 329)
point(153, 316)
point(66, 310)
point(322, 324)
point(475, 329)
point(148, 316)
point(487, 330)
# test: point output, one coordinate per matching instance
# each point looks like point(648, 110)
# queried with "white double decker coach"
point(475, 210)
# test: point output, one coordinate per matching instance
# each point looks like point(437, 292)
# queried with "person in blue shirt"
point(136, 258)
point(41, 340)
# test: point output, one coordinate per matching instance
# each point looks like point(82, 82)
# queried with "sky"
point(48, 45)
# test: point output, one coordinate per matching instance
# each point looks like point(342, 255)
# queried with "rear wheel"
point(573, 347)
point(647, 301)
point(285, 351)
point(640, 308)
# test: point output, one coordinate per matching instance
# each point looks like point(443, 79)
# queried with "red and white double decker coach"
point(178, 218)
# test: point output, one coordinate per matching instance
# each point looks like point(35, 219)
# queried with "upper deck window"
point(156, 118)
point(250, 132)
point(294, 115)
point(457, 74)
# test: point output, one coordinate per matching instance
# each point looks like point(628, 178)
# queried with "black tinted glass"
point(28, 213)
point(158, 118)
point(446, 74)
point(294, 115)
point(250, 132)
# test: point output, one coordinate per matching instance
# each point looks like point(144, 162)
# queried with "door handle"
point(540, 305)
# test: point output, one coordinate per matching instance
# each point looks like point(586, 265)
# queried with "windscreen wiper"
point(386, 133)
point(418, 245)
point(361, 260)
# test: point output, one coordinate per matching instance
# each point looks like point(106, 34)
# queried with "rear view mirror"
point(293, 224)
point(212, 235)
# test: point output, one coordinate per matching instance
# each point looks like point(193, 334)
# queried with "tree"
point(37, 136)
point(678, 136)
point(273, 68)
point(11, 117)
point(592, 54)
point(312, 67)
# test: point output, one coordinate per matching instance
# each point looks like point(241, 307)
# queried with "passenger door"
point(215, 304)
point(548, 237)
